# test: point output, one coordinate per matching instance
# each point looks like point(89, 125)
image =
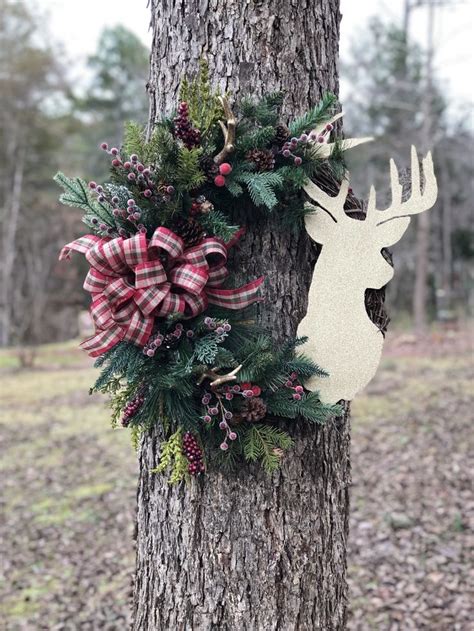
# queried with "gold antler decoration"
point(228, 129)
point(216, 379)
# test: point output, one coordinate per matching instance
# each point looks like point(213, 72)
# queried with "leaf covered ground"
point(68, 493)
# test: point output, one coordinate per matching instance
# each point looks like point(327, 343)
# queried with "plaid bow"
point(134, 280)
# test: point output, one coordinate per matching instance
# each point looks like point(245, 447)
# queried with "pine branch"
point(162, 151)
point(258, 139)
point(75, 192)
point(264, 112)
point(261, 442)
point(189, 174)
point(309, 407)
point(318, 114)
point(216, 223)
point(134, 139)
point(261, 187)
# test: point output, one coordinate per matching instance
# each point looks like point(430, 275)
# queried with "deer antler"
point(228, 129)
point(416, 203)
point(334, 206)
point(216, 379)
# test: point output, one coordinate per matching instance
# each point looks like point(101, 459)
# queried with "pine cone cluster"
point(282, 134)
point(209, 168)
point(264, 159)
point(253, 410)
point(190, 231)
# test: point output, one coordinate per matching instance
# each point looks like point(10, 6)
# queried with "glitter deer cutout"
point(341, 337)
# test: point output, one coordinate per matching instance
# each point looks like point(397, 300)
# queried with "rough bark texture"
point(248, 551)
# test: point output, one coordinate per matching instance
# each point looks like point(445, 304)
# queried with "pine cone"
point(282, 134)
point(263, 159)
point(254, 409)
point(189, 230)
point(209, 168)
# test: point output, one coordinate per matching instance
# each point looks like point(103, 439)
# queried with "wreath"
point(175, 337)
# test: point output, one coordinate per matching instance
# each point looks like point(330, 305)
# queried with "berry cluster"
point(100, 224)
point(290, 146)
point(218, 409)
point(158, 340)
point(215, 407)
point(293, 384)
point(183, 128)
point(132, 407)
point(224, 169)
point(200, 206)
point(139, 175)
point(194, 454)
point(220, 327)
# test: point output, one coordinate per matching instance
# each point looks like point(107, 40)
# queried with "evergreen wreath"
point(176, 342)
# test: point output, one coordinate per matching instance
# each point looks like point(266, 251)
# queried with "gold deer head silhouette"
point(342, 338)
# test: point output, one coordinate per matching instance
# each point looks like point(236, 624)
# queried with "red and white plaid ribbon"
point(134, 280)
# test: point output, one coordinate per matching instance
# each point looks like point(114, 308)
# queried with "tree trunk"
point(420, 290)
point(11, 219)
point(248, 550)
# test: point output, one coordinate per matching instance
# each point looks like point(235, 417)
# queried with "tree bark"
point(247, 550)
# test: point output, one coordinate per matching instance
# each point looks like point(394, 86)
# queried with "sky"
point(77, 26)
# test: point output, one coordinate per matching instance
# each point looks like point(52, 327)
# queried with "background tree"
point(388, 85)
point(45, 126)
point(32, 122)
point(249, 551)
point(116, 92)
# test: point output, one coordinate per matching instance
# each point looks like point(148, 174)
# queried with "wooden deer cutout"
point(341, 337)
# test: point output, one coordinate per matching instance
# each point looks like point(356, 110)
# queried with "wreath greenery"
point(194, 360)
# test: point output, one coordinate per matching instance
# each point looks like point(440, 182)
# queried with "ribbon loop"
point(149, 274)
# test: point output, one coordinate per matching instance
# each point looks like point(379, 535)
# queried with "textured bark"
point(246, 550)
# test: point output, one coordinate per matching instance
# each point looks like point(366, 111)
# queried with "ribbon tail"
point(82, 245)
point(235, 238)
point(238, 298)
point(103, 341)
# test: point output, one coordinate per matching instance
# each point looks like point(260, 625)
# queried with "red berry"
point(225, 168)
point(219, 180)
point(257, 391)
point(116, 162)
